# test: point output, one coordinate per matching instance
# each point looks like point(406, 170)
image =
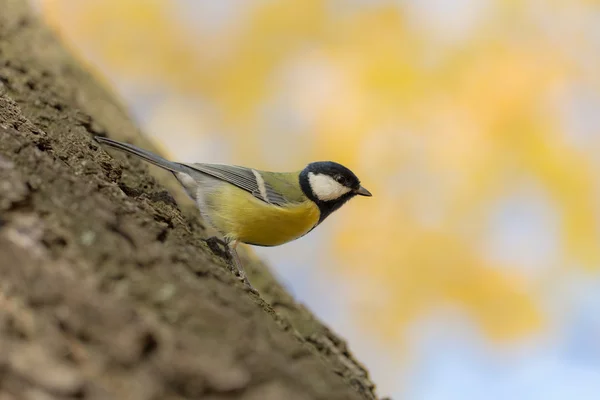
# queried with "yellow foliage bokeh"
point(438, 132)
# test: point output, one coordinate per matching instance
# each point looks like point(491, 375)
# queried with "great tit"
point(258, 207)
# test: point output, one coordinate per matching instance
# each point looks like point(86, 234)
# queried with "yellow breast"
point(239, 215)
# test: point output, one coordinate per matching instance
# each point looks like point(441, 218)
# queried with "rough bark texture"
point(106, 287)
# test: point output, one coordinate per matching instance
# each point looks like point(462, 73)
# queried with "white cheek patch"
point(325, 187)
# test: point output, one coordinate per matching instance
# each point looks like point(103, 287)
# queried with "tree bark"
point(107, 290)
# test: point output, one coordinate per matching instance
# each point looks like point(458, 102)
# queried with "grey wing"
point(245, 178)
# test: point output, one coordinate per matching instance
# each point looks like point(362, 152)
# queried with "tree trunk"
point(107, 290)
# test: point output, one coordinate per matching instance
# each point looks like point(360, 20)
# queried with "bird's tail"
point(143, 154)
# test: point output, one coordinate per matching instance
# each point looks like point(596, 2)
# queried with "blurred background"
point(473, 271)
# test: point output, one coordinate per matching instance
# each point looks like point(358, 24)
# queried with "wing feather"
point(243, 178)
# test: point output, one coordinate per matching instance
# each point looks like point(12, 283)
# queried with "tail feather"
point(143, 154)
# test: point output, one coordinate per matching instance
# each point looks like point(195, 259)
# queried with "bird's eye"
point(340, 179)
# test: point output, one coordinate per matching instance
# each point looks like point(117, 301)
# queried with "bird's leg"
point(232, 245)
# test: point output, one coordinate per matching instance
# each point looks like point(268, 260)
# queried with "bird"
point(260, 208)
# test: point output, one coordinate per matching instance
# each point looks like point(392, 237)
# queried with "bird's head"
point(330, 185)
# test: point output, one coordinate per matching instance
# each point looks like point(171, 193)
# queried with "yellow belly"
point(238, 215)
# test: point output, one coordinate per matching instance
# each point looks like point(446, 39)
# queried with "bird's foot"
point(222, 249)
point(218, 247)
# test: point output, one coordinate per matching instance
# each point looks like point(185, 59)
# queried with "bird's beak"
point(363, 192)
